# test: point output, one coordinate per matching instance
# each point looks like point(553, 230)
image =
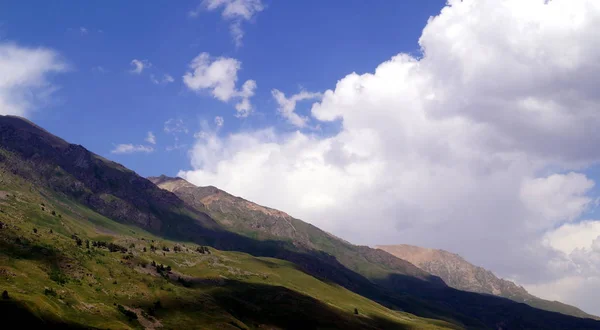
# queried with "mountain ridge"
point(94, 192)
point(461, 274)
point(210, 198)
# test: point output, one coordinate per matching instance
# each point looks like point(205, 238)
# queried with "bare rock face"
point(236, 212)
point(460, 274)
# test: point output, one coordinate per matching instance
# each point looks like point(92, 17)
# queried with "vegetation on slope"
point(64, 265)
point(71, 176)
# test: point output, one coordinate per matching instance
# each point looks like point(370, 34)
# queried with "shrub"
point(130, 315)
point(59, 277)
point(5, 295)
point(50, 292)
point(35, 230)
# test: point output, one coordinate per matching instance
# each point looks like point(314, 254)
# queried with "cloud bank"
point(478, 146)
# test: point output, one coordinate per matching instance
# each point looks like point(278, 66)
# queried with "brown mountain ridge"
point(460, 274)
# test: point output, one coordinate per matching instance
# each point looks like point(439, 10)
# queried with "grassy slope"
point(378, 266)
point(221, 290)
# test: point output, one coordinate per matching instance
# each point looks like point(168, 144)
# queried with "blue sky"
point(470, 126)
point(288, 46)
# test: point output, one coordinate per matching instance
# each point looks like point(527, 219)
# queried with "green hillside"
point(47, 272)
point(145, 262)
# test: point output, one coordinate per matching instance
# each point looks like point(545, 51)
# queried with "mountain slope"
point(264, 223)
point(66, 266)
point(257, 221)
point(460, 274)
point(102, 201)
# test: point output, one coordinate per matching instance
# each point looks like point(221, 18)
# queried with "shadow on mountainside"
point(493, 311)
point(16, 315)
point(261, 305)
point(120, 194)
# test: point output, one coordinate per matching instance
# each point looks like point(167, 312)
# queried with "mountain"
point(460, 274)
point(87, 242)
point(253, 220)
point(263, 223)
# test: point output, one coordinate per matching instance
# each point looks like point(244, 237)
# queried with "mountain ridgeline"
point(460, 274)
point(231, 263)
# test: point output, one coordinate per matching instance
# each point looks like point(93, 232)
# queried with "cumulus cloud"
point(478, 146)
point(558, 197)
point(150, 138)
point(24, 74)
point(287, 106)
point(139, 66)
point(130, 149)
point(220, 75)
point(235, 11)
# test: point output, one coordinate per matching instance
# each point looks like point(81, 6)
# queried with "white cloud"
point(150, 138)
point(83, 30)
point(220, 76)
point(130, 149)
point(570, 237)
point(139, 66)
point(287, 106)
point(557, 198)
point(235, 11)
point(219, 121)
point(24, 76)
point(579, 244)
point(464, 148)
point(175, 126)
point(166, 79)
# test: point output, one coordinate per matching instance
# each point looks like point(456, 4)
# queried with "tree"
point(356, 311)
point(144, 249)
point(53, 213)
point(35, 230)
point(5, 295)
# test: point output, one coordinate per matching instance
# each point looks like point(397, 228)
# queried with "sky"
point(470, 126)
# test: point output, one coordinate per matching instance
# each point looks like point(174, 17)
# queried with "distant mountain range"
point(86, 242)
point(460, 274)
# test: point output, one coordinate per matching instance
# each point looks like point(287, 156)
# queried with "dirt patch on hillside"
point(4, 194)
